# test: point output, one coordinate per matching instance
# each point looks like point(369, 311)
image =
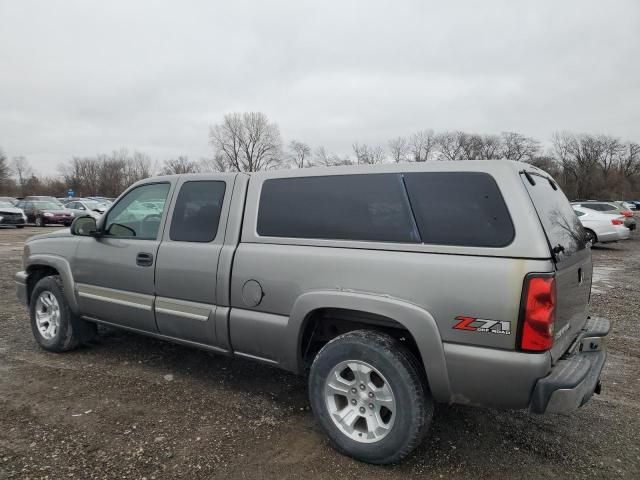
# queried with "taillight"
point(617, 221)
point(627, 213)
point(539, 313)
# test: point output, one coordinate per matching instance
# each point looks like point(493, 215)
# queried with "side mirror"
point(84, 226)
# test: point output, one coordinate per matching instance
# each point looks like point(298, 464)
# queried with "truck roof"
point(488, 166)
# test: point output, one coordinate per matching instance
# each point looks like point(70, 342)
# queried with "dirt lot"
point(133, 407)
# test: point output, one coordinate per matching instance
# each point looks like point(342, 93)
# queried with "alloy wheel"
point(360, 401)
point(47, 315)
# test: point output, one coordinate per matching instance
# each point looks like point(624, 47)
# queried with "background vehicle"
point(11, 200)
point(11, 215)
point(345, 274)
point(602, 227)
point(104, 200)
point(611, 208)
point(83, 206)
point(43, 213)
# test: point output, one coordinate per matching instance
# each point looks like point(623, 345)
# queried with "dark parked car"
point(11, 215)
point(43, 212)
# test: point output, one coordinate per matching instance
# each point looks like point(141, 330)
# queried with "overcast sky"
point(85, 77)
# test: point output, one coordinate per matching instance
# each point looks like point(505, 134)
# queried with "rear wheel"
point(370, 396)
point(590, 237)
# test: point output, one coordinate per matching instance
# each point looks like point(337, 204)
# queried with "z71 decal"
point(473, 324)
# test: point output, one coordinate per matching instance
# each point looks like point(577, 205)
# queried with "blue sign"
point(71, 193)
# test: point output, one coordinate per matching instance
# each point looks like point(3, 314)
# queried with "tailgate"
point(572, 257)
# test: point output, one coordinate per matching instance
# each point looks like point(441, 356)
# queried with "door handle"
point(144, 259)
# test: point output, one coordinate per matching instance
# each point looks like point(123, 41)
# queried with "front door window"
point(138, 213)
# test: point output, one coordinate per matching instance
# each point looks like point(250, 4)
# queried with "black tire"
point(590, 237)
point(72, 330)
point(400, 368)
point(19, 226)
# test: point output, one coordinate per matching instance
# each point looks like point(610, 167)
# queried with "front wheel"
point(590, 237)
point(54, 325)
point(370, 396)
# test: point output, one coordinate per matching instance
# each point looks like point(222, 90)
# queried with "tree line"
point(586, 165)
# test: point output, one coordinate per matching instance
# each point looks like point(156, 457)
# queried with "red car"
point(42, 212)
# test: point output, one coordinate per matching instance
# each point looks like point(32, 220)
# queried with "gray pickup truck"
point(392, 287)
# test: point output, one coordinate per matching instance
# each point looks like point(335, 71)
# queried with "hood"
point(11, 210)
point(65, 232)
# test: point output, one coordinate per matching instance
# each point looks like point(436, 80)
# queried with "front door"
point(114, 272)
point(187, 262)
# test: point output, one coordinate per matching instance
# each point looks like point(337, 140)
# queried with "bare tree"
point(399, 149)
point(248, 142)
point(516, 146)
point(629, 161)
point(451, 145)
point(422, 144)
point(367, 155)
point(138, 167)
point(22, 170)
point(490, 147)
point(321, 157)
point(105, 174)
point(579, 161)
point(608, 150)
point(180, 165)
point(4, 171)
point(215, 164)
point(300, 154)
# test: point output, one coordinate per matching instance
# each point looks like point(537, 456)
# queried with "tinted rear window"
point(342, 207)
point(197, 211)
point(560, 222)
point(459, 208)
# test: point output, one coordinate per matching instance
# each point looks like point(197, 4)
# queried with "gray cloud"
point(82, 77)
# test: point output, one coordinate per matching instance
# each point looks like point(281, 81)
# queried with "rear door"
point(188, 256)
point(572, 257)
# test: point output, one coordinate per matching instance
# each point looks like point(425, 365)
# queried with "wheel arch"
point(43, 265)
point(595, 235)
point(380, 312)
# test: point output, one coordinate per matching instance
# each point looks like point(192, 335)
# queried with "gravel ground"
point(136, 408)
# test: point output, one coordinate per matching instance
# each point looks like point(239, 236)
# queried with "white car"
point(602, 227)
point(83, 207)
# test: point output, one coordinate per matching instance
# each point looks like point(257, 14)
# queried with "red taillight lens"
point(627, 213)
point(616, 221)
point(539, 313)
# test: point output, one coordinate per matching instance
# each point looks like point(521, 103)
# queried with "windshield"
point(42, 205)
